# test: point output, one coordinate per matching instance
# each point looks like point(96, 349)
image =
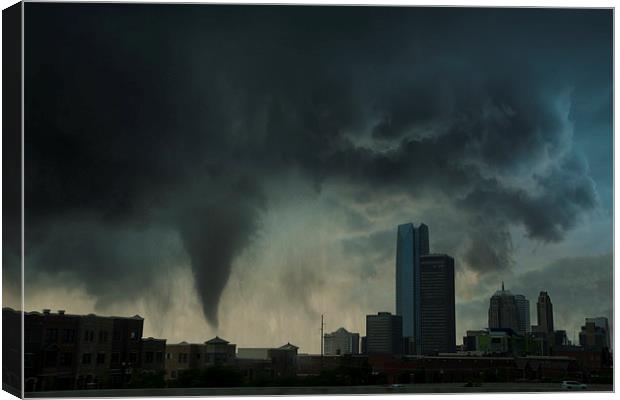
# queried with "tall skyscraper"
point(437, 304)
point(411, 243)
point(384, 334)
point(523, 305)
point(503, 310)
point(544, 311)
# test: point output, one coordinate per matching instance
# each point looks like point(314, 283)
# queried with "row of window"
point(65, 359)
point(69, 336)
point(150, 356)
point(182, 357)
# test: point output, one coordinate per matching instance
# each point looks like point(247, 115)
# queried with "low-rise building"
point(341, 342)
point(153, 351)
point(183, 356)
point(219, 352)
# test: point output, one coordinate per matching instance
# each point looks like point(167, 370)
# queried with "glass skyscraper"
point(411, 243)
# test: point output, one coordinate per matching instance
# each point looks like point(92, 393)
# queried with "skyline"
point(237, 163)
point(407, 235)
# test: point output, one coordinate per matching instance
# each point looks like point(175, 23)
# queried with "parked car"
point(574, 385)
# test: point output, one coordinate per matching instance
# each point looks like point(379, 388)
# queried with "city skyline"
point(219, 169)
point(435, 277)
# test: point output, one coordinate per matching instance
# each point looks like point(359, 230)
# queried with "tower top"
point(502, 286)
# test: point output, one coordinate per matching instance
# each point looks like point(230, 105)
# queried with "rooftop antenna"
point(502, 286)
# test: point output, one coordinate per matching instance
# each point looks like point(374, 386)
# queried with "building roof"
point(217, 340)
point(152, 339)
point(288, 346)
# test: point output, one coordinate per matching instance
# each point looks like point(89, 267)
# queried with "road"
point(266, 391)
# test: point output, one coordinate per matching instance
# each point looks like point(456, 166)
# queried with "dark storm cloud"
point(179, 115)
point(371, 251)
point(490, 246)
point(112, 261)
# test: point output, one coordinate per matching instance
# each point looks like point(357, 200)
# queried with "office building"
point(523, 307)
point(503, 311)
point(602, 323)
point(437, 321)
point(341, 342)
point(544, 311)
point(411, 243)
point(384, 333)
point(594, 334)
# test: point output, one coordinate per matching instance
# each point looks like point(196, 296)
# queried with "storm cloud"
point(180, 122)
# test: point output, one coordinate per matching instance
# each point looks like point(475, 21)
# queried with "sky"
point(241, 170)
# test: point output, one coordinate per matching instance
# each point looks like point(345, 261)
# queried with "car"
point(574, 385)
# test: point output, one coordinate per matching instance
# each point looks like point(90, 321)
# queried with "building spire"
point(502, 286)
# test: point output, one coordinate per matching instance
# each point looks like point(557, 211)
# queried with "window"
point(66, 359)
point(115, 357)
point(173, 374)
point(182, 357)
point(133, 357)
point(167, 356)
point(159, 356)
point(148, 357)
point(69, 336)
point(52, 335)
point(100, 358)
point(116, 335)
point(86, 358)
point(103, 336)
point(198, 355)
point(133, 335)
point(89, 336)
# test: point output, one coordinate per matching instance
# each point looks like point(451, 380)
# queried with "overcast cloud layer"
point(243, 169)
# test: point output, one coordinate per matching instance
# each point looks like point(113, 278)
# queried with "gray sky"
point(241, 170)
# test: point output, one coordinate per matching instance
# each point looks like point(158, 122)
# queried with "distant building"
point(267, 362)
point(471, 341)
point(595, 334)
point(603, 325)
point(66, 351)
point(183, 356)
point(500, 341)
point(384, 333)
point(544, 311)
point(153, 355)
point(51, 349)
point(503, 311)
point(218, 351)
point(341, 342)
point(411, 243)
point(95, 351)
point(437, 321)
point(523, 306)
point(126, 348)
point(560, 338)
